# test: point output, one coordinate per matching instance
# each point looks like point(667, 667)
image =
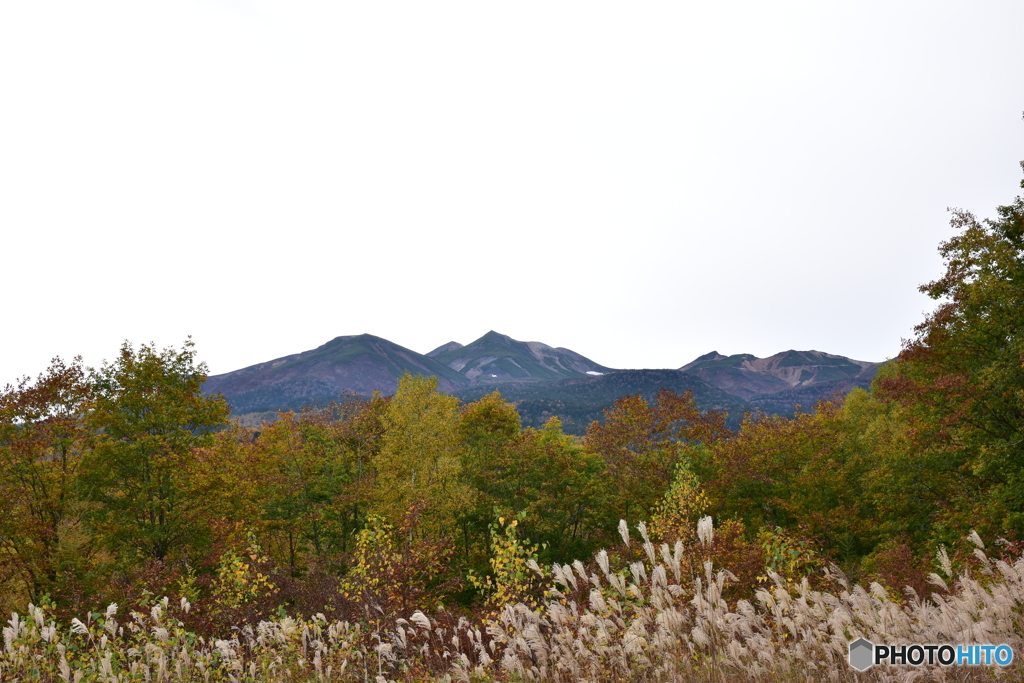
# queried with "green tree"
point(317, 484)
point(542, 477)
point(148, 416)
point(755, 476)
point(561, 489)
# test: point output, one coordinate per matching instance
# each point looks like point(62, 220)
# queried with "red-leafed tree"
point(641, 446)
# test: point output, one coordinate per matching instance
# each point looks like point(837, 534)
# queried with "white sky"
point(641, 182)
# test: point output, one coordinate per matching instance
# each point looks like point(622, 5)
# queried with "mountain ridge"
point(497, 356)
point(541, 380)
point(746, 376)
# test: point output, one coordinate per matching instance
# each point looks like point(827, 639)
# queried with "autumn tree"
point(487, 426)
point(488, 429)
point(359, 429)
point(225, 486)
point(148, 415)
point(807, 472)
point(561, 490)
point(42, 442)
point(542, 477)
point(420, 459)
point(640, 444)
point(845, 480)
point(318, 479)
point(962, 374)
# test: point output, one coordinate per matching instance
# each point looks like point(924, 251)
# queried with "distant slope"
point(359, 364)
point(581, 400)
point(444, 348)
point(497, 357)
point(786, 402)
point(806, 372)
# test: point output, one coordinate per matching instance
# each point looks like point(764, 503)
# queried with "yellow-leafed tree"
point(419, 465)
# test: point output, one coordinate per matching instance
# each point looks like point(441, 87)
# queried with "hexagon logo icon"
point(862, 654)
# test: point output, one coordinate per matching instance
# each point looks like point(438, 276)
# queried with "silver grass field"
point(653, 621)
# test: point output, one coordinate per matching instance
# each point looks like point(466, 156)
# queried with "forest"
point(145, 536)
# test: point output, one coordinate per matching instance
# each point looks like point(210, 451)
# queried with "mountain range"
point(542, 381)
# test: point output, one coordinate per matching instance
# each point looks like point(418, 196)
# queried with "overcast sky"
point(641, 182)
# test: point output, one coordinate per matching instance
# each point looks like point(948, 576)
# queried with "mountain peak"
point(360, 364)
point(444, 348)
point(493, 336)
point(717, 360)
point(499, 357)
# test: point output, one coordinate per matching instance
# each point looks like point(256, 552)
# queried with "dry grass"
point(648, 621)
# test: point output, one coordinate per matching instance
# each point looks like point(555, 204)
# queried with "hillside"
point(359, 364)
point(579, 401)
